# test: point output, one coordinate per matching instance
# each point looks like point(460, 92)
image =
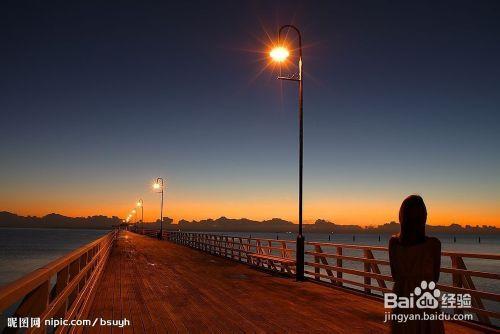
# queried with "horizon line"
point(253, 220)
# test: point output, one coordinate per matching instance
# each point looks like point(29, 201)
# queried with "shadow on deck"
point(162, 287)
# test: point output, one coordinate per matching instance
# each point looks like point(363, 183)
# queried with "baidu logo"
point(425, 296)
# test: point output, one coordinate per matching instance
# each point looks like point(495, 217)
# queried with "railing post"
point(239, 247)
point(466, 281)
point(83, 263)
point(339, 264)
point(225, 246)
point(232, 248)
point(323, 260)
point(61, 282)
point(367, 267)
point(317, 269)
point(35, 302)
point(457, 282)
point(74, 269)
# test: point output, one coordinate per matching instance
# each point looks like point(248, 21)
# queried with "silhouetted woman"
point(414, 258)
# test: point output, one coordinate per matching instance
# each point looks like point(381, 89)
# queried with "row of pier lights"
point(158, 187)
point(140, 204)
point(279, 54)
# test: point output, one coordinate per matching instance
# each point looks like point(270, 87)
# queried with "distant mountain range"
point(224, 224)
point(55, 220)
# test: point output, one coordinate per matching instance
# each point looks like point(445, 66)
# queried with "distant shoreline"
point(224, 224)
point(249, 231)
point(56, 228)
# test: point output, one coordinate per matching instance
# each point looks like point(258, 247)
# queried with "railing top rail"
point(238, 236)
point(267, 240)
point(362, 247)
point(490, 256)
point(11, 292)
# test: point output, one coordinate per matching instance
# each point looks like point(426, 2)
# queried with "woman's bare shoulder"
point(434, 243)
point(394, 240)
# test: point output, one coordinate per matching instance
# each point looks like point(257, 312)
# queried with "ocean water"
point(23, 250)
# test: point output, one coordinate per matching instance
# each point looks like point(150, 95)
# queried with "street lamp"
point(158, 186)
point(279, 54)
point(140, 204)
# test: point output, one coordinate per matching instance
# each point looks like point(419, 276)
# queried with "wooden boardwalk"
point(162, 287)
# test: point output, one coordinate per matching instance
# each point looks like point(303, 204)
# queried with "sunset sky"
point(97, 100)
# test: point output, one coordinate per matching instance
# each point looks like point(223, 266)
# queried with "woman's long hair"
point(412, 216)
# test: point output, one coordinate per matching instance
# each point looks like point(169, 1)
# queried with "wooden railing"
point(368, 268)
point(238, 248)
point(148, 232)
point(63, 288)
point(364, 268)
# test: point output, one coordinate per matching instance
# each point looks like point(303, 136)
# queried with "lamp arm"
point(290, 26)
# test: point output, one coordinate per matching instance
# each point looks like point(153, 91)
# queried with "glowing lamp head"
point(279, 53)
point(139, 204)
point(133, 211)
point(156, 186)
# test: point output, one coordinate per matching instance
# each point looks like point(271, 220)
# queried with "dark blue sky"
point(98, 99)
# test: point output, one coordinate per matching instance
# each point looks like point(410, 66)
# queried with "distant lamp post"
point(140, 204)
point(128, 220)
point(134, 213)
point(158, 186)
point(279, 54)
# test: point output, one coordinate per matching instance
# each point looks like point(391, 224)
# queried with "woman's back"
point(410, 265)
point(414, 258)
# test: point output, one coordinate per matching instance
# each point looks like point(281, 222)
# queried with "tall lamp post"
point(280, 53)
point(140, 204)
point(158, 185)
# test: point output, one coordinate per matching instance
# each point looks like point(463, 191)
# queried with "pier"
point(199, 283)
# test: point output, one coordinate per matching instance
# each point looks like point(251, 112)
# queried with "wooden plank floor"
point(166, 288)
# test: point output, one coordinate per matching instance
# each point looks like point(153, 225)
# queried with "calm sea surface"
point(23, 250)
